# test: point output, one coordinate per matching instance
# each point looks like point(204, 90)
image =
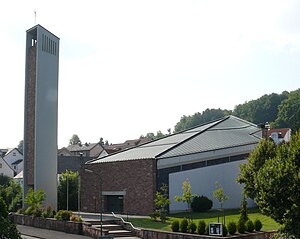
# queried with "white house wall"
point(203, 183)
point(11, 158)
point(5, 169)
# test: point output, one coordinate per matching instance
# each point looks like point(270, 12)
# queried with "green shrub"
point(21, 211)
point(175, 226)
point(281, 235)
point(37, 212)
point(243, 210)
point(8, 229)
point(225, 231)
point(201, 204)
point(207, 229)
point(163, 216)
point(16, 203)
point(35, 199)
point(29, 211)
point(63, 215)
point(154, 215)
point(192, 227)
point(241, 227)
point(231, 226)
point(48, 212)
point(257, 225)
point(249, 226)
point(184, 225)
point(201, 227)
point(3, 208)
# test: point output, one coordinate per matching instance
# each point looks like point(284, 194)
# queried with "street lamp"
point(67, 192)
point(100, 194)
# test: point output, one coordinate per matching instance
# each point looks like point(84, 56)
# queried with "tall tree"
point(257, 158)
point(221, 198)
point(186, 196)
point(74, 140)
point(68, 183)
point(289, 112)
point(20, 146)
point(207, 115)
point(274, 182)
point(101, 141)
point(261, 110)
point(151, 135)
point(11, 192)
point(162, 202)
point(8, 229)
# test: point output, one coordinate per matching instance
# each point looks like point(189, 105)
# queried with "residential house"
point(113, 148)
point(19, 178)
point(64, 163)
point(280, 135)
point(14, 159)
point(5, 168)
point(87, 150)
point(3, 152)
point(205, 154)
point(63, 152)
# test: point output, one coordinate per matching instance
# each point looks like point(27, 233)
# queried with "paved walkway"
point(33, 232)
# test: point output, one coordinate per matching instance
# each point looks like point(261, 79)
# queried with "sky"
point(132, 67)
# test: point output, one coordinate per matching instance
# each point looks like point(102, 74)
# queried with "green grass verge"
point(230, 215)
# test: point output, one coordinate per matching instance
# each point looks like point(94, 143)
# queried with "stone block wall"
point(155, 234)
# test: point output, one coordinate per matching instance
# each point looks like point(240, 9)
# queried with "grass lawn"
point(231, 215)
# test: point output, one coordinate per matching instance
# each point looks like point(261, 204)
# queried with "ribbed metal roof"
point(224, 133)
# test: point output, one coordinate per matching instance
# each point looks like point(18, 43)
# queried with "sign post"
point(215, 229)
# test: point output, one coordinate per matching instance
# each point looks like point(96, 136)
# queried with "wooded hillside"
point(279, 110)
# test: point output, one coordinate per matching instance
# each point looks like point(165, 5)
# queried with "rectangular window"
point(0, 165)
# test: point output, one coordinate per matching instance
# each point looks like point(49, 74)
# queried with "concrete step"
point(127, 237)
point(110, 227)
point(113, 228)
point(98, 222)
point(120, 233)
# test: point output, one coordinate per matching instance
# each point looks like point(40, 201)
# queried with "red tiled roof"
point(281, 132)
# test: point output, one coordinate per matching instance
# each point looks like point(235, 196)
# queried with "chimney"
point(264, 129)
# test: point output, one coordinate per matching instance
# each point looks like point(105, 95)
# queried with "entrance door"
point(115, 203)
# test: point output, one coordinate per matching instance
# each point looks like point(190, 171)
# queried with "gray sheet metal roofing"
point(227, 132)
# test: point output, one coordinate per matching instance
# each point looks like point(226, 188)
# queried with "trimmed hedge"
point(257, 225)
point(231, 226)
point(184, 225)
point(249, 226)
point(201, 204)
point(175, 226)
point(192, 227)
point(201, 227)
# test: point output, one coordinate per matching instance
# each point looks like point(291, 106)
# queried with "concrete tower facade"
point(40, 114)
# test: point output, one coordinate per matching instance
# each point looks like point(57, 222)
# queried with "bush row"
point(202, 228)
point(48, 212)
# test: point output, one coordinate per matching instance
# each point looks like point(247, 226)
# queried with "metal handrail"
point(135, 228)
